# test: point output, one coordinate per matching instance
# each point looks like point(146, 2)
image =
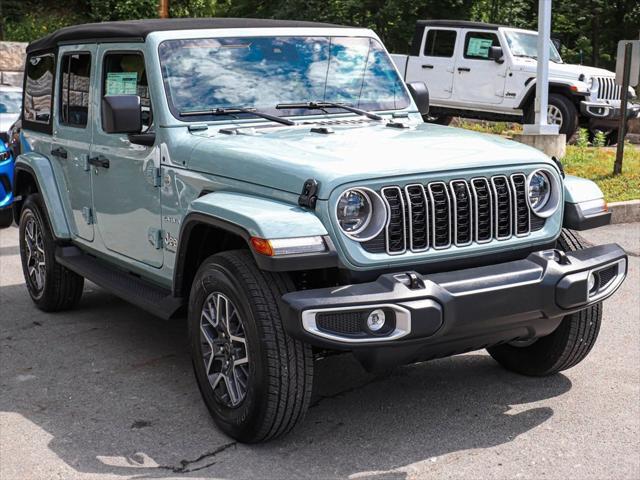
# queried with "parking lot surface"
point(106, 391)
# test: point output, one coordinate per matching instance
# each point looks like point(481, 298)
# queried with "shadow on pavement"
point(113, 387)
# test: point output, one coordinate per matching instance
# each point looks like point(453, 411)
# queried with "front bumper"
point(607, 112)
point(447, 313)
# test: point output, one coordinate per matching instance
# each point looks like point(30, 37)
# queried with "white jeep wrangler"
point(485, 71)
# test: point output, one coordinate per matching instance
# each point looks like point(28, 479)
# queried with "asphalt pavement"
point(106, 391)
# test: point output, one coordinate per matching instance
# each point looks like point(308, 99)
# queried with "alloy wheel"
point(35, 256)
point(554, 115)
point(224, 349)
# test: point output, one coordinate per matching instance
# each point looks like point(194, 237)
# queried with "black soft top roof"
point(137, 30)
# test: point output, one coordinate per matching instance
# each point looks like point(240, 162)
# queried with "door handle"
point(99, 161)
point(427, 66)
point(59, 152)
point(464, 69)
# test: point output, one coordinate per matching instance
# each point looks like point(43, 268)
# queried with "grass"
point(584, 160)
point(597, 164)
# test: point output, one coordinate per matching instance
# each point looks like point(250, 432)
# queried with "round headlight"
point(354, 211)
point(539, 190)
point(361, 213)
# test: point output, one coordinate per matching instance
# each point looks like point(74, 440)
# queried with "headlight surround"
point(361, 213)
point(543, 193)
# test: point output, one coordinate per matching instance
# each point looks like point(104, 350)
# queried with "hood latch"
point(309, 195)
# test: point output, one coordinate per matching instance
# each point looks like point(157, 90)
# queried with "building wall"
point(12, 58)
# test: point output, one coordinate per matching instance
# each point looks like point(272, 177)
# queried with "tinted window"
point(261, 72)
point(440, 43)
point(476, 44)
point(74, 89)
point(125, 74)
point(38, 93)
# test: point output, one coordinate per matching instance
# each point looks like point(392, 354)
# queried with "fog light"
point(591, 283)
point(376, 319)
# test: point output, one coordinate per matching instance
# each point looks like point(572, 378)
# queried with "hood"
point(567, 70)
point(284, 157)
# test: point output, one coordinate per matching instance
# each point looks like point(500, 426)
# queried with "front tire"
point(567, 346)
point(52, 287)
point(254, 378)
point(560, 111)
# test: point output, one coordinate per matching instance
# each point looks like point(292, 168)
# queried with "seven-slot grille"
point(607, 88)
point(438, 215)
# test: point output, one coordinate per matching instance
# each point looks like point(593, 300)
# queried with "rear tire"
point(274, 390)
point(6, 218)
point(567, 346)
point(52, 287)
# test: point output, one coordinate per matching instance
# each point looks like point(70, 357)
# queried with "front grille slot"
point(438, 215)
point(395, 232)
point(462, 216)
point(502, 207)
point(483, 208)
point(418, 205)
point(522, 219)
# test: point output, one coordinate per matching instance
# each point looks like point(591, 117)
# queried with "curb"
point(625, 212)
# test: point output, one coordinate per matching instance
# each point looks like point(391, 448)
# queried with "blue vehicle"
point(6, 185)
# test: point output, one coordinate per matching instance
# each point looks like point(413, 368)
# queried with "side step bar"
point(151, 298)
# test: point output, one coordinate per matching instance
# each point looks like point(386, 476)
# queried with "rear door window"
point(440, 43)
point(74, 89)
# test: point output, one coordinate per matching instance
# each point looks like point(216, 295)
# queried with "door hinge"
point(85, 162)
point(87, 214)
point(155, 238)
point(157, 174)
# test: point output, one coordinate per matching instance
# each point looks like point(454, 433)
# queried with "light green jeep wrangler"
point(274, 183)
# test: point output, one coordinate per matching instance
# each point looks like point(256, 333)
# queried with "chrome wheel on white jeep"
point(224, 349)
point(554, 116)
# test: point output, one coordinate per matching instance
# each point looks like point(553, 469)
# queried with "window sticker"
point(122, 83)
point(479, 47)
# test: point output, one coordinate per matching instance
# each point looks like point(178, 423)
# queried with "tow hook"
point(415, 282)
point(557, 256)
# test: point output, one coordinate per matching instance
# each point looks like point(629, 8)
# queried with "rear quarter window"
point(38, 92)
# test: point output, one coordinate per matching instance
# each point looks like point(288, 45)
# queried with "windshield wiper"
point(323, 105)
point(236, 110)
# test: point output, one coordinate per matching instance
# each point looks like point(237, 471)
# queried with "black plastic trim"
point(152, 298)
point(481, 306)
point(308, 261)
point(575, 220)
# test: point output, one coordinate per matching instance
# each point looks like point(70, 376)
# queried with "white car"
point(485, 71)
point(10, 105)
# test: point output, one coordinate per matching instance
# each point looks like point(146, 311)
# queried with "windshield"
point(262, 72)
point(524, 44)
point(10, 102)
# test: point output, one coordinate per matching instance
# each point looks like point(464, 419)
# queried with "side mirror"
point(556, 43)
point(496, 54)
point(121, 114)
point(420, 94)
